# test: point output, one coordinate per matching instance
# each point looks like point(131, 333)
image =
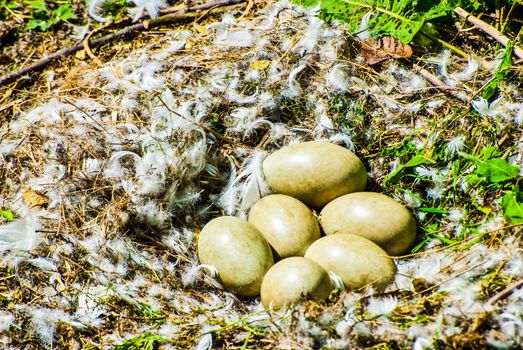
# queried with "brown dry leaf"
point(376, 51)
point(34, 199)
point(201, 29)
point(260, 64)
point(80, 55)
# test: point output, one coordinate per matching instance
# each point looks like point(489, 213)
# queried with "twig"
point(509, 289)
point(176, 17)
point(87, 38)
point(437, 83)
point(206, 6)
point(487, 28)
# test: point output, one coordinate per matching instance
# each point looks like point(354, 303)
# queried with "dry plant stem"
point(87, 39)
point(436, 82)
point(490, 30)
point(505, 292)
point(176, 17)
point(206, 6)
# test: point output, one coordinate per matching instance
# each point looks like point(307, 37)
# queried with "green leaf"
point(37, 5)
point(6, 214)
point(501, 73)
point(413, 162)
point(473, 179)
point(443, 239)
point(490, 152)
point(36, 23)
point(497, 170)
point(470, 157)
point(512, 203)
point(64, 12)
point(433, 210)
point(147, 341)
point(401, 19)
point(455, 172)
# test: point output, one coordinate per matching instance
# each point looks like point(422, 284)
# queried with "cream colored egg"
point(238, 251)
point(356, 260)
point(374, 216)
point(314, 172)
point(293, 279)
point(289, 226)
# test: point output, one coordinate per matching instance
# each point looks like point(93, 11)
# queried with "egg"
point(289, 226)
point(314, 172)
point(294, 279)
point(356, 260)
point(374, 216)
point(238, 251)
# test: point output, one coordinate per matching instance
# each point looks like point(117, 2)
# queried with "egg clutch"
point(362, 230)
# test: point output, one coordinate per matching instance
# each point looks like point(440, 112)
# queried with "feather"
point(337, 78)
point(19, 235)
point(6, 320)
point(43, 264)
point(455, 145)
point(326, 122)
point(485, 109)
point(294, 89)
point(79, 32)
point(344, 139)
point(195, 273)
point(94, 8)
point(205, 342)
point(152, 6)
point(363, 32)
point(44, 321)
point(244, 120)
point(336, 281)
point(311, 36)
point(248, 187)
point(228, 20)
point(421, 343)
point(381, 306)
point(235, 38)
point(233, 96)
point(469, 72)
point(92, 166)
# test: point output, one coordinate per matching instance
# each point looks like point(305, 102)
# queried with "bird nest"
point(112, 170)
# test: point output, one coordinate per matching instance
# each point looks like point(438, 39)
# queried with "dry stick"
point(437, 83)
point(128, 31)
point(206, 6)
point(509, 289)
point(487, 28)
point(87, 38)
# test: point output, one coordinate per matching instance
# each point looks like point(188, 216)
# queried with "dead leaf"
point(260, 64)
point(376, 51)
point(201, 29)
point(34, 199)
point(80, 55)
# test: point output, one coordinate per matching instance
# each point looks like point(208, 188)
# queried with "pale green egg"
point(238, 251)
point(356, 260)
point(314, 172)
point(289, 226)
point(374, 216)
point(294, 279)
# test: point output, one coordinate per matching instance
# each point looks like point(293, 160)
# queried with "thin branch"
point(87, 39)
point(487, 28)
point(505, 292)
point(176, 17)
point(437, 83)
